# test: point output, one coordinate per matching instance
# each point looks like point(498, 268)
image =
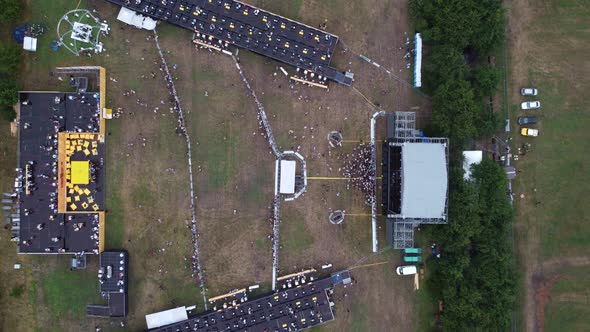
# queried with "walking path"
point(196, 262)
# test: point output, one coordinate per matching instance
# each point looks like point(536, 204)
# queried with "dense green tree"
point(486, 80)
point(8, 97)
point(444, 63)
point(10, 57)
point(10, 10)
point(474, 275)
point(455, 111)
point(460, 23)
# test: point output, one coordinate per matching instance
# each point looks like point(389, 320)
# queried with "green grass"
point(66, 293)
point(568, 308)
point(115, 229)
point(295, 237)
point(17, 291)
point(287, 8)
point(261, 243)
point(575, 280)
point(255, 190)
point(555, 173)
point(360, 317)
point(560, 166)
point(142, 194)
point(571, 317)
point(220, 156)
point(32, 293)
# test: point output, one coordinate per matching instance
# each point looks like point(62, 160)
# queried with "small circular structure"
point(336, 217)
point(79, 32)
point(335, 138)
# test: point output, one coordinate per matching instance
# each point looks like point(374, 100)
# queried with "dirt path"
point(519, 16)
point(553, 264)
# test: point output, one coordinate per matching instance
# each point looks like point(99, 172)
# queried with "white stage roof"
point(137, 20)
point(287, 185)
point(166, 317)
point(470, 158)
point(424, 180)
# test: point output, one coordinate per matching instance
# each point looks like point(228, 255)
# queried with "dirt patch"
point(542, 295)
point(560, 263)
point(572, 297)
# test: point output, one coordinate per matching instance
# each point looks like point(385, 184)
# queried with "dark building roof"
point(248, 27)
point(42, 116)
point(287, 310)
point(113, 278)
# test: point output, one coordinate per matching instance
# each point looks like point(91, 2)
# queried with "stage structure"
point(415, 179)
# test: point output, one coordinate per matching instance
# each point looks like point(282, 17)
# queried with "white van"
point(406, 270)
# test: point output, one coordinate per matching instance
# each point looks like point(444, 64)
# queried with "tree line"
point(10, 59)
point(474, 276)
point(460, 35)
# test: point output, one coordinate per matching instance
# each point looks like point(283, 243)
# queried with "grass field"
point(569, 301)
point(548, 47)
point(147, 189)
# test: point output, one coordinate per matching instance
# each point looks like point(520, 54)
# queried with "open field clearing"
point(147, 190)
point(548, 47)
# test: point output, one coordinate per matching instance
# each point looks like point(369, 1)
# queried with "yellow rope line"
point(364, 97)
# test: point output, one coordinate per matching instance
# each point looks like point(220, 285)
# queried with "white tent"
point(287, 185)
point(139, 21)
point(166, 317)
point(30, 44)
point(418, 61)
point(470, 158)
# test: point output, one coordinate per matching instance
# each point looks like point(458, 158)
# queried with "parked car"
point(406, 270)
point(524, 120)
point(529, 105)
point(529, 132)
point(528, 92)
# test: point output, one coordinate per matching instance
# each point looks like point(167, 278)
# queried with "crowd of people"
point(359, 167)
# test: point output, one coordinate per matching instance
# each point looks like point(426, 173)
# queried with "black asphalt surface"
point(288, 310)
point(42, 229)
point(251, 28)
point(113, 289)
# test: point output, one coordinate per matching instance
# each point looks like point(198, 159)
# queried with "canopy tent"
point(133, 18)
point(287, 185)
point(80, 172)
point(470, 158)
point(418, 61)
point(30, 44)
point(166, 317)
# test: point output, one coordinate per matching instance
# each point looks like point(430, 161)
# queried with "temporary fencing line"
point(378, 66)
point(196, 262)
point(374, 168)
point(275, 240)
point(261, 113)
point(278, 154)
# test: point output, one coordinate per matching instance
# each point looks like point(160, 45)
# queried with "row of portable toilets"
point(11, 214)
point(412, 255)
